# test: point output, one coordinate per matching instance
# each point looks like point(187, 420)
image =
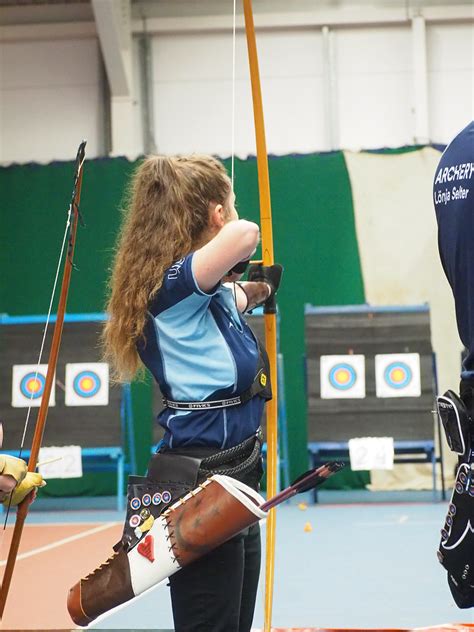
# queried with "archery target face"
point(397, 375)
point(28, 382)
point(342, 377)
point(87, 384)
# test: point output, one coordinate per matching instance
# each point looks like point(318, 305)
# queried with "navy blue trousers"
point(217, 593)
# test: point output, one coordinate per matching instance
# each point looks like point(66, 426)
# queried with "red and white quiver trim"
point(202, 520)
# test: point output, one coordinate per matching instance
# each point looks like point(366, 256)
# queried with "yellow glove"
point(31, 482)
point(11, 466)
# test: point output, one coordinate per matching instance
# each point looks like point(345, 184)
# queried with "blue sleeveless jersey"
point(454, 203)
point(198, 347)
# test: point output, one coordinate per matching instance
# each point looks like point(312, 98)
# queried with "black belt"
point(236, 461)
point(260, 386)
point(219, 403)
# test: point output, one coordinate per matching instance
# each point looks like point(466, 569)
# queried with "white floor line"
point(72, 538)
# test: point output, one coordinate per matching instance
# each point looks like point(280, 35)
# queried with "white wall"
point(374, 76)
point(450, 78)
point(373, 88)
point(193, 92)
point(50, 92)
point(50, 99)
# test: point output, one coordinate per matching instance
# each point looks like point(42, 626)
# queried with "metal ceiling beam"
point(115, 35)
point(114, 29)
point(336, 16)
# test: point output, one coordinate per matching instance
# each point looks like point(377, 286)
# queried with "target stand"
point(371, 372)
point(85, 409)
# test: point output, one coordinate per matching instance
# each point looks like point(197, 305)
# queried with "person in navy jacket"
point(453, 193)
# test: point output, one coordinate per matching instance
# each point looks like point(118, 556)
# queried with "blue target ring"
point(32, 385)
point(87, 384)
point(342, 376)
point(398, 375)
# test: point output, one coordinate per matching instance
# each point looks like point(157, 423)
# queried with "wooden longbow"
point(71, 228)
point(269, 313)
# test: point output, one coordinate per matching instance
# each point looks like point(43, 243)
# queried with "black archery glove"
point(267, 274)
point(239, 268)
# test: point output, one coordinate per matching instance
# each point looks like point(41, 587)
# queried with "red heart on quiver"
point(146, 547)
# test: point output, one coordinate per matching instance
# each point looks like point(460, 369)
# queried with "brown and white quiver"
point(202, 520)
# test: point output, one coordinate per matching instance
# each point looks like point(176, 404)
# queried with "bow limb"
point(73, 219)
point(270, 318)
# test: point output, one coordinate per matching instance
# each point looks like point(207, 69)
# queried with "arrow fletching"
point(309, 480)
point(313, 478)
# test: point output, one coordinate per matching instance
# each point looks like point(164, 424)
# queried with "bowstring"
point(232, 150)
point(233, 94)
point(48, 317)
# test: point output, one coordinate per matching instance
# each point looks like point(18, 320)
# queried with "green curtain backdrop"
point(314, 235)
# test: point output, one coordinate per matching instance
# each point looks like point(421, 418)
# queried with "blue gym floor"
point(355, 560)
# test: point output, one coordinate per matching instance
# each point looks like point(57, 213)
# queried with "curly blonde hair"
point(165, 219)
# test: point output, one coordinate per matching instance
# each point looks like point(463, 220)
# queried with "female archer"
point(175, 306)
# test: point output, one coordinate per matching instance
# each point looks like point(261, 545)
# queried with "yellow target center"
point(87, 383)
point(398, 375)
point(35, 386)
point(343, 377)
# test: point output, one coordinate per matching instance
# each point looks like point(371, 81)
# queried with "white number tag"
point(371, 453)
point(61, 462)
